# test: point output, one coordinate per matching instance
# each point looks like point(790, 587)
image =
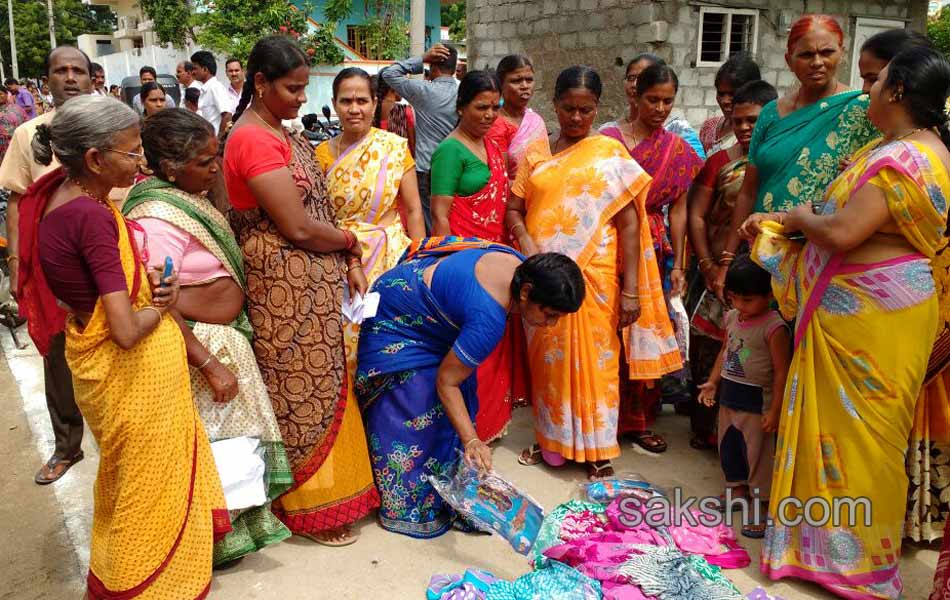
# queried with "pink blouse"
point(195, 263)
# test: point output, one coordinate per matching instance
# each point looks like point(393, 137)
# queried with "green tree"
point(232, 27)
point(453, 15)
point(71, 17)
point(938, 30)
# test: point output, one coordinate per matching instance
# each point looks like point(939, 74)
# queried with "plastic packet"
point(492, 503)
point(605, 491)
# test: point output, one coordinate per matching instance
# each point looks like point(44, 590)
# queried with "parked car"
point(131, 86)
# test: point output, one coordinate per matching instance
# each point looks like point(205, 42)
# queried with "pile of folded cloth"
point(608, 547)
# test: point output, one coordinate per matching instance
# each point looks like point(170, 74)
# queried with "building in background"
point(694, 37)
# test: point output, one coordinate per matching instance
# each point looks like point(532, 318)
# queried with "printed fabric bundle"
point(492, 504)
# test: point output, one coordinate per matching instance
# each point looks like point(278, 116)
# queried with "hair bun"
point(44, 135)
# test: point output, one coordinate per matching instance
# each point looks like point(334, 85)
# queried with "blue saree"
point(400, 350)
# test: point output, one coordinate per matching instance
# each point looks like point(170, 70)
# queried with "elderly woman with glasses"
point(158, 503)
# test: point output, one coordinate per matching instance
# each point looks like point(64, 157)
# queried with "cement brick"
point(589, 39)
point(569, 41)
point(516, 11)
point(786, 79)
point(709, 99)
point(509, 30)
point(480, 31)
point(595, 20)
point(608, 3)
point(487, 14)
point(692, 96)
point(568, 6)
point(688, 77)
point(526, 28)
point(892, 11)
point(502, 47)
point(696, 116)
point(550, 7)
point(707, 78)
point(677, 34)
point(487, 48)
point(587, 5)
point(501, 13)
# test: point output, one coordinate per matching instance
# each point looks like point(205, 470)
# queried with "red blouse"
point(251, 151)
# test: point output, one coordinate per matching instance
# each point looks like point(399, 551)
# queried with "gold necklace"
point(899, 138)
point(280, 134)
point(85, 191)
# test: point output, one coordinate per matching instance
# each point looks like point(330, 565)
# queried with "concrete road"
point(45, 533)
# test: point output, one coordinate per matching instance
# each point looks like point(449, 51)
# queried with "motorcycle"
point(9, 310)
point(325, 132)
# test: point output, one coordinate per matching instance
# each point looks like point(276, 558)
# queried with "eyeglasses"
point(136, 155)
point(630, 78)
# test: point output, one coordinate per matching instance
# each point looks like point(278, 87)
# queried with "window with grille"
point(724, 32)
point(356, 39)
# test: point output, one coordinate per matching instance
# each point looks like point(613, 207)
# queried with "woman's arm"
point(409, 197)
point(441, 207)
point(276, 193)
point(127, 327)
point(698, 204)
point(628, 234)
point(514, 221)
point(452, 372)
point(678, 235)
point(222, 381)
point(849, 227)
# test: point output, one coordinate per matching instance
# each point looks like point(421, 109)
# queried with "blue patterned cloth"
point(400, 350)
point(556, 581)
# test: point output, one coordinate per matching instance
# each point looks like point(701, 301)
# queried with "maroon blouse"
point(79, 253)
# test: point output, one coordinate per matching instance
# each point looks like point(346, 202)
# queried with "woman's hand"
point(719, 282)
point(478, 455)
point(356, 251)
point(356, 279)
point(770, 420)
point(221, 380)
point(709, 270)
point(629, 310)
point(753, 225)
point(796, 216)
point(528, 246)
point(707, 394)
point(165, 296)
point(677, 282)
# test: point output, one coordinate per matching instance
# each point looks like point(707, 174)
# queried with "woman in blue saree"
point(801, 139)
point(442, 311)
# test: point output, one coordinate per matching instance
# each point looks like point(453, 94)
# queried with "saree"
point(863, 337)
point(571, 200)
point(250, 412)
point(410, 436)
point(294, 302)
point(710, 138)
point(481, 215)
point(363, 184)
point(798, 155)
point(158, 502)
point(941, 589)
point(673, 165)
point(707, 329)
point(532, 129)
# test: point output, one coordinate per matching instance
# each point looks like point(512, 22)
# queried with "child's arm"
point(707, 391)
point(780, 349)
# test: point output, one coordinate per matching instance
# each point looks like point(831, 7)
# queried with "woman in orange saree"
point(158, 499)
point(469, 193)
point(584, 196)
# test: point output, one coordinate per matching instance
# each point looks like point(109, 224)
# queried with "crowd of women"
point(555, 264)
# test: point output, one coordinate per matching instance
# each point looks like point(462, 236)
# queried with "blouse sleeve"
point(257, 152)
point(99, 245)
point(324, 156)
point(446, 169)
point(164, 239)
point(408, 163)
point(481, 332)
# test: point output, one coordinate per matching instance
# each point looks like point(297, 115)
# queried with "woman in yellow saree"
point(158, 500)
point(369, 171)
point(583, 196)
point(866, 306)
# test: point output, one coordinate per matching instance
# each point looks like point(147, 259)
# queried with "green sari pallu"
point(250, 413)
point(798, 155)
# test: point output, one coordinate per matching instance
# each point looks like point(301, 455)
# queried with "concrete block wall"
point(605, 34)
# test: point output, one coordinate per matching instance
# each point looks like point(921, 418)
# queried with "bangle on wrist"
point(13, 257)
point(349, 239)
point(469, 443)
point(707, 259)
point(634, 295)
point(354, 266)
point(157, 312)
point(206, 362)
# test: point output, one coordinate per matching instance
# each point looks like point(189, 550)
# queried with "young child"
point(750, 376)
point(712, 201)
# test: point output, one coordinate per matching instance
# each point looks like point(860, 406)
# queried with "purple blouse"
point(79, 253)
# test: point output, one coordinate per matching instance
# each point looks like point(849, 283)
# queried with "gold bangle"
point(13, 257)
point(706, 260)
point(157, 312)
point(631, 295)
point(205, 363)
point(469, 443)
point(354, 266)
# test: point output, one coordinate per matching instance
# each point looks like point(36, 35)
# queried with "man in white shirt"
point(235, 72)
point(214, 104)
point(185, 74)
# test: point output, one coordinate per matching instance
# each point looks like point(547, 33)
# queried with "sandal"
point(650, 442)
point(56, 468)
point(756, 531)
point(530, 456)
point(599, 470)
point(336, 538)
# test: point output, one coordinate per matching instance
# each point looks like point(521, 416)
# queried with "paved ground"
point(45, 532)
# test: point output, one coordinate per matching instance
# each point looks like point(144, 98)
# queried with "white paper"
point(355, 310)
point(241, 471)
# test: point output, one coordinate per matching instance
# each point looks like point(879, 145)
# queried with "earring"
point(171, 179)
point(260, 94)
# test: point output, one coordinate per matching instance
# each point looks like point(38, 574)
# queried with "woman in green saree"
point(801, 139)
point(177, 219)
